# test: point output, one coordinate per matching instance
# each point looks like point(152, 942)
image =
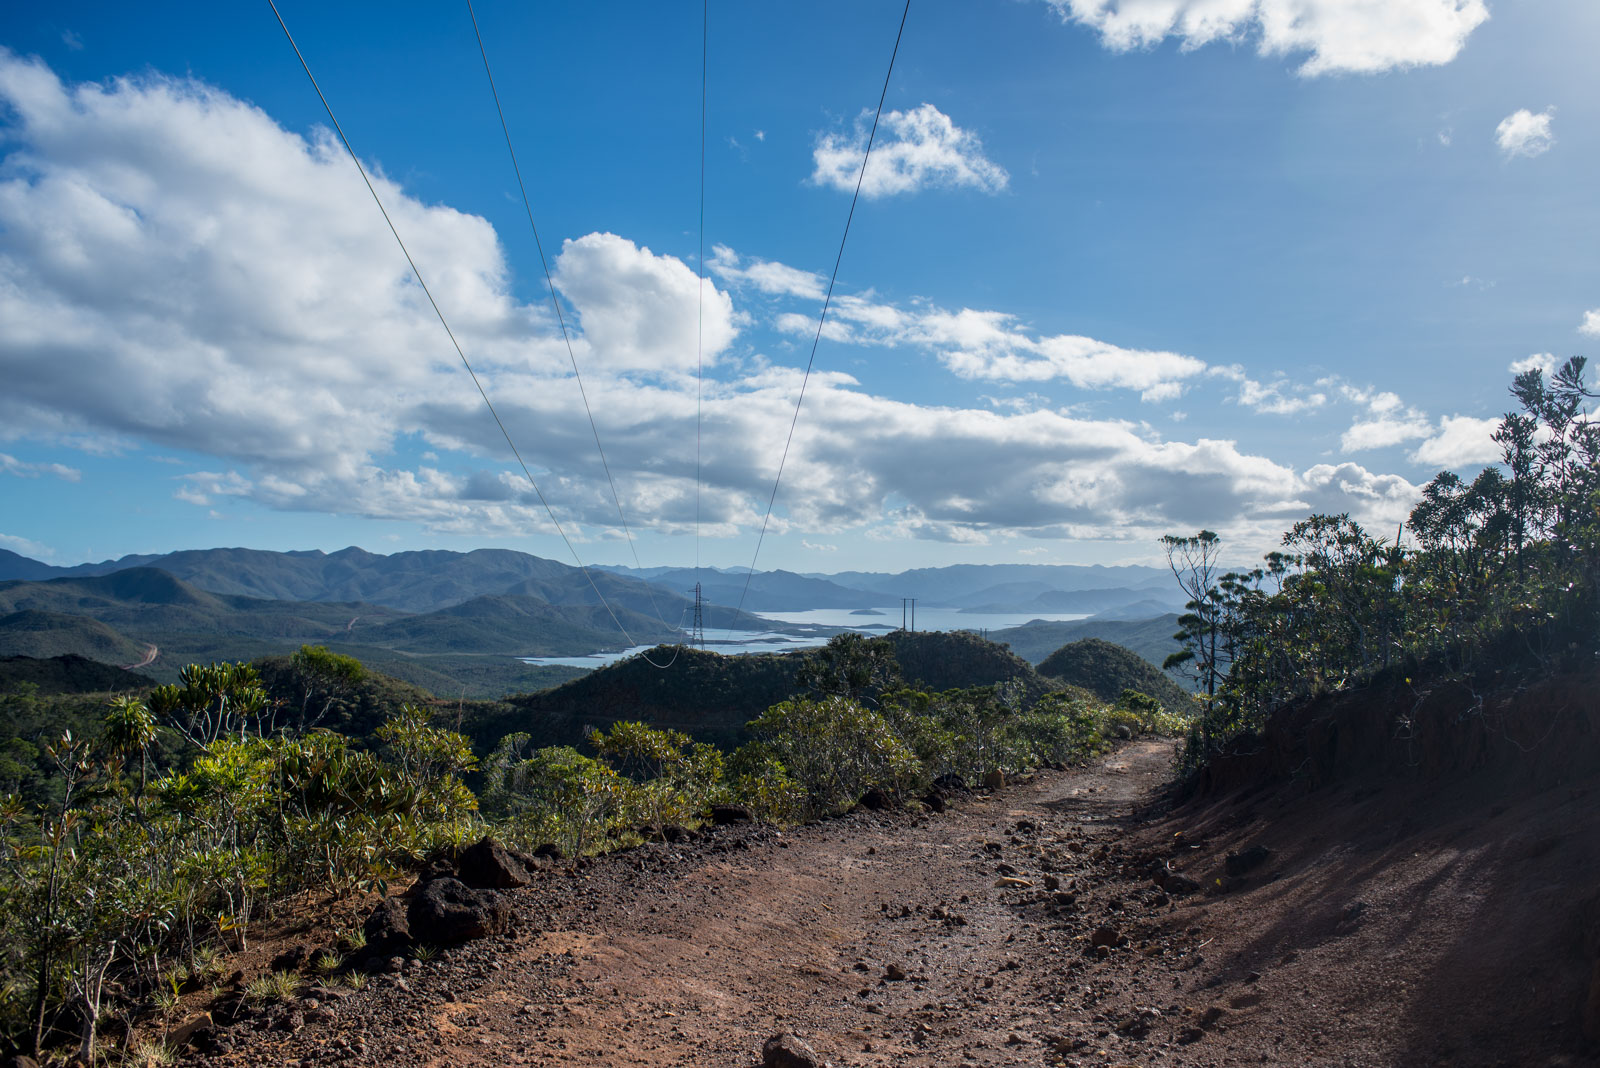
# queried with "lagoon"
point(744, 641)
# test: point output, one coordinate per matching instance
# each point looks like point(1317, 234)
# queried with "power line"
point(444, 323)
point(556, 304)
point(827, 301)
point(700, 295)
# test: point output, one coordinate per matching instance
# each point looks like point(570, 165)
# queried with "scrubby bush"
point(1503, 568)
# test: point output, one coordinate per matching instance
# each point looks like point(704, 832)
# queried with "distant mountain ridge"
point(430, 580)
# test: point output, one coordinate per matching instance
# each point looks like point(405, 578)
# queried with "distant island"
point(866, 612)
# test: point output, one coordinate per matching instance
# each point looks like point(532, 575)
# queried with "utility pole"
point(698, 637)
point(911, 604)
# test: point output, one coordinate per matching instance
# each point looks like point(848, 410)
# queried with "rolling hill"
point(1105, 670)
point(711, 696)
point(1150, 638)
point(114, 618)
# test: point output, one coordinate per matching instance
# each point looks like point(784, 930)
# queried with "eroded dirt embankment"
point(1371, 930)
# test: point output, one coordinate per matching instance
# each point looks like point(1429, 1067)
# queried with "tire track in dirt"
point(693, 955)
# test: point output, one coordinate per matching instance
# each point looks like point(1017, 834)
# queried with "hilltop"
point(1105, 670)
point(711, 696)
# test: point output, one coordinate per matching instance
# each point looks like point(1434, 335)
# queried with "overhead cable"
point(445, 323)
point(826, 303)
point(555, 303)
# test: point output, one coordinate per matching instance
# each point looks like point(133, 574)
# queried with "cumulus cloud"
point(178, 270)
point(1522, 133)
point(765, 276)
point(10, 465)
point(1461, 441)
point(914, 150)
point(640, 311)
point(1278, 397)
point(1539, 361)
point(1591, 323)
point(993, 346)
point(1340, 36)
point(1387, 421)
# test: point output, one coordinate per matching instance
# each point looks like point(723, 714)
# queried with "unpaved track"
point(694, 955)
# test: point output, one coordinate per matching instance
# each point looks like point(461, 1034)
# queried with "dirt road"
point(1374, 927)
point(694, 954)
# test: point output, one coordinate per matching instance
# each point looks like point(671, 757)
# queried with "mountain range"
point(445, 619)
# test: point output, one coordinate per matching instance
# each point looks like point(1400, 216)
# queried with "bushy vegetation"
point(1503, 569)
point(118, 870)
point(155, 836)
point(1105, 670)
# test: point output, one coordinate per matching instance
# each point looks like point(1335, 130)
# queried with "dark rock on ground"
point(723, 815)
point(551, 851)
point(787, 1051)
point(935, 801)
point(877, 800)
point(388, 928)
point(994, 780)
point(488, 865)
point(196, 1029)
point(1106, 936)
point(292, 959)
point(1246, 860)
point(446, 911)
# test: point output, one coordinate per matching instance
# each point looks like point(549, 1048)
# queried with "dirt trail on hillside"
point(968, 938)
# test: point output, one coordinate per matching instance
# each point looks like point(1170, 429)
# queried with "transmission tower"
point(698, 637)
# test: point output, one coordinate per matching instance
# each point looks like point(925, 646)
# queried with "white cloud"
point(1522, 133)
point(1388, 421)
point(1279, 397)
point(1591, 323)
point(1460, 441)
point(10, 465)
point(1342, 36)
point(914, 150)
point(640, 311)
point(1539, 361)
point(22, 546)
point(767, 277)
point(992, 346)
point(177, 270)
point(815, 547)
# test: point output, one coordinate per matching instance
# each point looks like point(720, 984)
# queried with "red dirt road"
point(964, 938)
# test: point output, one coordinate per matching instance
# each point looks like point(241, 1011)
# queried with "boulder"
point(950, 783)
point(935, 801)
point(994, 780)
point(787, 1051)
point(446, 911)
point(550, 851)
point(723, 815)
point(877, 799)
point(1246, 860)
point(388, 928)
point(488, 865)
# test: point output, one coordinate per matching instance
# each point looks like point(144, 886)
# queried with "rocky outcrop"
point(446, 911)
point(488, 865)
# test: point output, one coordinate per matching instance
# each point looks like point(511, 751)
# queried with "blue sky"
point(1124, 268)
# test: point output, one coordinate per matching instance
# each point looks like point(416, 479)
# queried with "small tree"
point(1195, 563)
